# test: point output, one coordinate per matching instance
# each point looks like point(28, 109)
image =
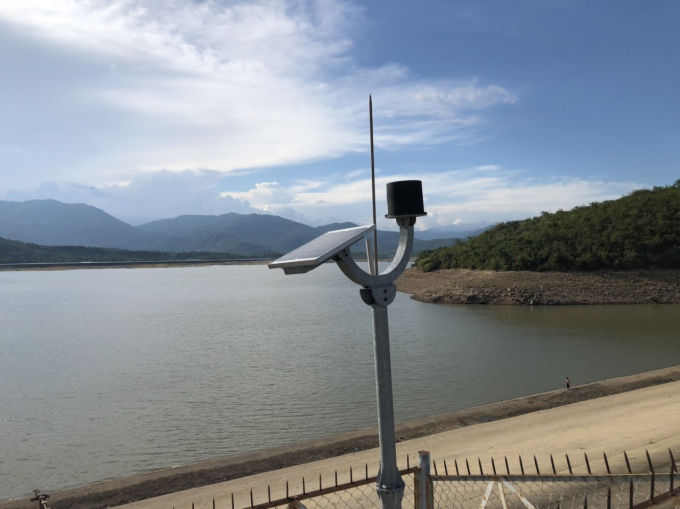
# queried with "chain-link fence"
point(466, 490)
point(519, 491)
point(357, 494)
point(612, 491)
point(553, 491)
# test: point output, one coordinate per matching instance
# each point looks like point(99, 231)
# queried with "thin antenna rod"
point(375, 230)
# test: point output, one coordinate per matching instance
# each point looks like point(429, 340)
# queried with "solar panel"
point(319, 250)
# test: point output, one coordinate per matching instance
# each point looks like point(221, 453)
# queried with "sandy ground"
point(462, 286)
point(646, 419)
point(593, 418)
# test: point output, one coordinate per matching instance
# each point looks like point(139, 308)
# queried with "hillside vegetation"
point(12, 251)
point(638, 231)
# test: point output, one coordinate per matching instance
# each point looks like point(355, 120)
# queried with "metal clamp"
point(387, 278)
point(379, 296)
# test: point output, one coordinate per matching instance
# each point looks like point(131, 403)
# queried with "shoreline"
point(170, 480)
point(38, 266)
point(7, 267)
point(464, 286)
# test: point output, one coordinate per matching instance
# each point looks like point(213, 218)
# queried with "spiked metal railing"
point(464, 489)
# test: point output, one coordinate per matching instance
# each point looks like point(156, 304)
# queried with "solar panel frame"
point(322, 248)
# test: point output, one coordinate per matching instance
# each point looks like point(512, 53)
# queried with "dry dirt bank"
point(290, 462)
point(462, 286)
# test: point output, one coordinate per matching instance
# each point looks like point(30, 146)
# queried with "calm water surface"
point(110, 372)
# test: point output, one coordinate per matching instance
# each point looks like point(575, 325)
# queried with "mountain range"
point(52, 223)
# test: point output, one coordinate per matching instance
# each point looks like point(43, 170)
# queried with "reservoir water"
point(112, 372)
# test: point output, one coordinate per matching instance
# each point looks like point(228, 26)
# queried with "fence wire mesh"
point(547, 492)
point(466, 490)
point(360, 494)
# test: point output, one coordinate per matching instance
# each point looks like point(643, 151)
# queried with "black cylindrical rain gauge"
point(405, 198)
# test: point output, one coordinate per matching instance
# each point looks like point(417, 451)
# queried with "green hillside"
point(640, 230)
point(13, 251)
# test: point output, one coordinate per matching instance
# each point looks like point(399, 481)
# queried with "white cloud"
point(122, 87)
point(468, 96)
point(451, 198)
point(147, 197)
point(356, 173)
point(264, 195)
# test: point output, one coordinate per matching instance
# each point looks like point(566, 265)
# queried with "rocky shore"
point(462, 286)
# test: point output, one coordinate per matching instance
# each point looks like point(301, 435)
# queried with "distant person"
point(568, 383)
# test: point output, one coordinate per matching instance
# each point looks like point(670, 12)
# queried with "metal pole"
point(375, 231)
point(370, 256)
point(389, 484)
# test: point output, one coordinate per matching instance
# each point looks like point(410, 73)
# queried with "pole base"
point(390, 498)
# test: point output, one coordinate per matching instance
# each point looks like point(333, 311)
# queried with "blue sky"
point(504, 109)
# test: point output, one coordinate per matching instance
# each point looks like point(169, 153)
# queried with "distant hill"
point(638, 231)
point(51, 223)
point(274, 233)
point(14, 251)
point(180, 225)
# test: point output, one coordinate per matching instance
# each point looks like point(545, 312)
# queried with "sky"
point(154, 109)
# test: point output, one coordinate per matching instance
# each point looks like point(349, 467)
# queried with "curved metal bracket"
point(350, 268)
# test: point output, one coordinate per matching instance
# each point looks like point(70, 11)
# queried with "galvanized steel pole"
point(390, 485)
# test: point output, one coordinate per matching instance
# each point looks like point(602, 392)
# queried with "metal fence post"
point(416, 488)
point(424, 491)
